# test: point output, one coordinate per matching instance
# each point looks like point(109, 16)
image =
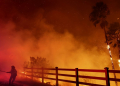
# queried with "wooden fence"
point(106, 71)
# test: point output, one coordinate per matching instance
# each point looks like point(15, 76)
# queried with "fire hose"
point(2, 71)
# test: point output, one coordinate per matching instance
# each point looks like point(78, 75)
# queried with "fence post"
point(24, 72)
point(56, 76)
point(77, 78)
point(107, 76)
point(42, 75)
point(32, 72)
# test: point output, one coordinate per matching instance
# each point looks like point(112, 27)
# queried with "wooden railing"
point(106, 71)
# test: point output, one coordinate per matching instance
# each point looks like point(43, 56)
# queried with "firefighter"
point(13, 75)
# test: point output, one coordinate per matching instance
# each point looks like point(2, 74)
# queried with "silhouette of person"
point(13, 75)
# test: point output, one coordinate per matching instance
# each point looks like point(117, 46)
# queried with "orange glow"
point(28, 77)
point(60, 32)
point(23, 72)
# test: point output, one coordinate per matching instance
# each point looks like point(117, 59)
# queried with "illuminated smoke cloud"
point(60, 32)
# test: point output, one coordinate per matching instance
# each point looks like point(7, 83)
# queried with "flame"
point(110, 52)
point(119, 60)
point(111, 58)
point(108, 46)
point(41, 80)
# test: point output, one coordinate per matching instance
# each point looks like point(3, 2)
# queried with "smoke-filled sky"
point(59, 30)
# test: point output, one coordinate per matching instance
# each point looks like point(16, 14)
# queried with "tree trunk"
point(110, 54)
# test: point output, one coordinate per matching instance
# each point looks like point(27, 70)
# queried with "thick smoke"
point(60, 32)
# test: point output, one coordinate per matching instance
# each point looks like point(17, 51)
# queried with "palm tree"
point(114, 34)
point(98, 16)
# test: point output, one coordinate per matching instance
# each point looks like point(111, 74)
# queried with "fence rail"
point(106, 71)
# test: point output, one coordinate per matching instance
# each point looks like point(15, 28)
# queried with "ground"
point(23, 83)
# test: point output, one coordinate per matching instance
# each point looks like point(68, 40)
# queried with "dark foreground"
point(23, 83)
